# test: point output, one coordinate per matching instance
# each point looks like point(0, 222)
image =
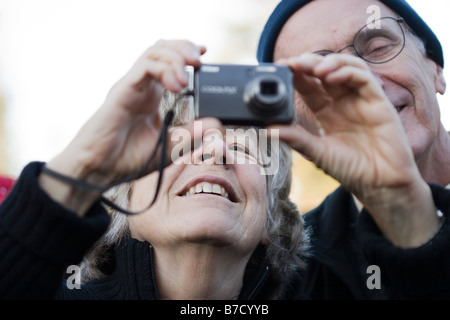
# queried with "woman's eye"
point(239, 148)
point(244, 152)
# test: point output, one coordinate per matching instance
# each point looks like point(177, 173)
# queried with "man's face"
point(410, 81)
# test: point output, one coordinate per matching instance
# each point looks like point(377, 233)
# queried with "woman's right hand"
point(119, 138)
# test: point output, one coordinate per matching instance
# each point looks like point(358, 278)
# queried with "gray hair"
point(288, 240)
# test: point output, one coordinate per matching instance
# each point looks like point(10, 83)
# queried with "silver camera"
point(257, 95)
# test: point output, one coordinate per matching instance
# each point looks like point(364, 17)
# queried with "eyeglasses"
point(377, 42)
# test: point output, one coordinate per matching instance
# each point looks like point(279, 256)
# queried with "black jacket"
point(346, 243)
point(133, 278)
point(39, 239)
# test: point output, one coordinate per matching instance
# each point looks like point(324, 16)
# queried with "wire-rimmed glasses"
point(377, 42)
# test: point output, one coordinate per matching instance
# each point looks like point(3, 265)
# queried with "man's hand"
point(361, 143)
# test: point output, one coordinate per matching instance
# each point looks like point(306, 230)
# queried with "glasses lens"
point(380, 41)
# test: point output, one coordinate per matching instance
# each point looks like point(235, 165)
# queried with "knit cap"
point(286, 8)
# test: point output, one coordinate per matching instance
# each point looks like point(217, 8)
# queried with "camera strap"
point(162, 141)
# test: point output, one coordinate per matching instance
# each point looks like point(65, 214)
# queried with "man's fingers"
point(298, 138)
point(341, 74)
point(305, 81)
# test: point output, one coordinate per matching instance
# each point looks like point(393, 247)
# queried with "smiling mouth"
point(204, 187)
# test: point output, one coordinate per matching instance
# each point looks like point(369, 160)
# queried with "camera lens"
point(269, 88)
point(266, 94)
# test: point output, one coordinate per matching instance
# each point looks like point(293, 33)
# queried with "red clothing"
point(6, 185)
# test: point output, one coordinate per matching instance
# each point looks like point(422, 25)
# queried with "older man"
point(405, 58)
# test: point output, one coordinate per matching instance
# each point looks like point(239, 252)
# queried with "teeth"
point(216, 189)
point(206, 187)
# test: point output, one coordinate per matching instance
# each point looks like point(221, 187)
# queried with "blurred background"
point(59, 58)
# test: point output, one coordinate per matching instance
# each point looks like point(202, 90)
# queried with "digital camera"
point(257, 95)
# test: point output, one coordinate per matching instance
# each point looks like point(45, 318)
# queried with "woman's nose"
point(213, 150)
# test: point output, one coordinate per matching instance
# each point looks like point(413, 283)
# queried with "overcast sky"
point(58, 58)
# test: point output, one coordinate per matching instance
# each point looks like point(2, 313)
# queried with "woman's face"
point(215, 195)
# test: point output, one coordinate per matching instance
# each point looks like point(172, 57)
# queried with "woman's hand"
point(118, 139)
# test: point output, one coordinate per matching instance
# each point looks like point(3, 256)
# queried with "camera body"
point(257, 95)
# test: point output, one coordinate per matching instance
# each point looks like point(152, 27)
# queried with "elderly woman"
point(210, 235)
point(219, 229)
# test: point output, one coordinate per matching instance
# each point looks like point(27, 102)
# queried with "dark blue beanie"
point(286, 8)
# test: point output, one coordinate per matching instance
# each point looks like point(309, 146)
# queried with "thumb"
point(299, 139)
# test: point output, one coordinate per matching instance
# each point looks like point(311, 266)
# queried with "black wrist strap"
point(162, 141)
point(162, 164)
point(72, 181)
